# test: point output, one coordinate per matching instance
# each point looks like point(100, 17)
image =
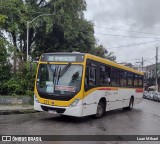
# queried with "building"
point(151, 70)
point(150, 76)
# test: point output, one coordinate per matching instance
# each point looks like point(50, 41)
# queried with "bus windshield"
point(59, 79)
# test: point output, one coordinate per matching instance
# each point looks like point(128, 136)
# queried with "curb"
point(9, 112)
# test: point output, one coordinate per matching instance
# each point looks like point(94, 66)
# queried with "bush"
point(27, 76)
point(13, 86)
point(23, 81)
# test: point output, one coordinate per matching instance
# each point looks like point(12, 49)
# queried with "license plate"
point(52, 112)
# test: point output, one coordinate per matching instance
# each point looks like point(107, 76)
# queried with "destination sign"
point(65, 58)
point(62, 58)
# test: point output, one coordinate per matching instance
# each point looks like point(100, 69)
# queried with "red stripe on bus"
point(139, 90)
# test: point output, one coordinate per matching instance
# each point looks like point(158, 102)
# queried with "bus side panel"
point(138, 96)
point(90, 103)
point(113, 100)
point(125, 95)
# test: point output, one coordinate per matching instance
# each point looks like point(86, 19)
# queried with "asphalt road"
point(144, 119)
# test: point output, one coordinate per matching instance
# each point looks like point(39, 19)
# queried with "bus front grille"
point(58, 110)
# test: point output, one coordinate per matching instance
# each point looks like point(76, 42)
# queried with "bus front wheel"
point(100, 110)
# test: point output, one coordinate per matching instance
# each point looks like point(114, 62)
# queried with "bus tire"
point(130, 107)
point(131, 102)
point(100, 110)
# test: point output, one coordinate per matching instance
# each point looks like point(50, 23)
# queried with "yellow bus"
point(79, 84)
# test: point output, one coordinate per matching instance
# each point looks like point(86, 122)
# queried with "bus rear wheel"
point(131, 103)
point(130, 107)
point(100, 110)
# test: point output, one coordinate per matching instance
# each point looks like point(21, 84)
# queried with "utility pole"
point(27, 39)
point(156, 69)
point(142, 63)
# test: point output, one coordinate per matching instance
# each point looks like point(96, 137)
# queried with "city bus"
point(80, 84)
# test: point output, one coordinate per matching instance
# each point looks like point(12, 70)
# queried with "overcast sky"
point(121, 18)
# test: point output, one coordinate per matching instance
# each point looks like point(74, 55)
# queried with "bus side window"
point(104, 75)
point(115, 74)
point(90, 79)
point(140, 81)
point(136, 80)
point(92, 76)
point(130, 79)
point(87, 77)
point(123, 78)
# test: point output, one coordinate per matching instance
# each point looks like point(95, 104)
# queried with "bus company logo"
point(6, 138)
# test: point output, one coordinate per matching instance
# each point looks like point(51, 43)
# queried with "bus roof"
point(96, 58)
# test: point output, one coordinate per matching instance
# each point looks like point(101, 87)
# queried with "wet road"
point(143, 119)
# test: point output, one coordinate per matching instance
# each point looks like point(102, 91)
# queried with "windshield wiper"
point(53, 72)
point(64, 69)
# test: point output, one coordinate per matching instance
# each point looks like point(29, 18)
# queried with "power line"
point(130, 59)
point(126, 30)
point(114, 22)
point(132, 44)
point(126, 36)
point(137, 59)
point(133, 25)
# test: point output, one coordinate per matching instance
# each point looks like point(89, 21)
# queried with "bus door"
point(90, 93)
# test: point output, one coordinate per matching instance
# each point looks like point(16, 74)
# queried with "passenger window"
point(140, 80)
point(130, 79)
point(104, 75)
point(87, 77)
point(90, 79)
point(123, 77)
point(92, 76)
point(115, 77)
point(135, 80)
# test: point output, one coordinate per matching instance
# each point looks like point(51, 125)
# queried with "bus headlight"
point(35, 98)
point(74, 103)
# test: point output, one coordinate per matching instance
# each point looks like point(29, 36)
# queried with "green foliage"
point(5, 66)
point(23, 81)
point(13, 86)
point(27, 75)
point(2, 18)
point(66, 30)
point(102, 52)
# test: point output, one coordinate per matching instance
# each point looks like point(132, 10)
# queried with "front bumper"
point(70, 111)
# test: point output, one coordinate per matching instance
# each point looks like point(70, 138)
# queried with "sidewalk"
point(16, 109)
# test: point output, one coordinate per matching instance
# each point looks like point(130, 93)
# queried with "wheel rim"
point(99, 110)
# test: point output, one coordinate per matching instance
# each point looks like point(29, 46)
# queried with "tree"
point(66, 30)
point(101, 51)
point(5, 66)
